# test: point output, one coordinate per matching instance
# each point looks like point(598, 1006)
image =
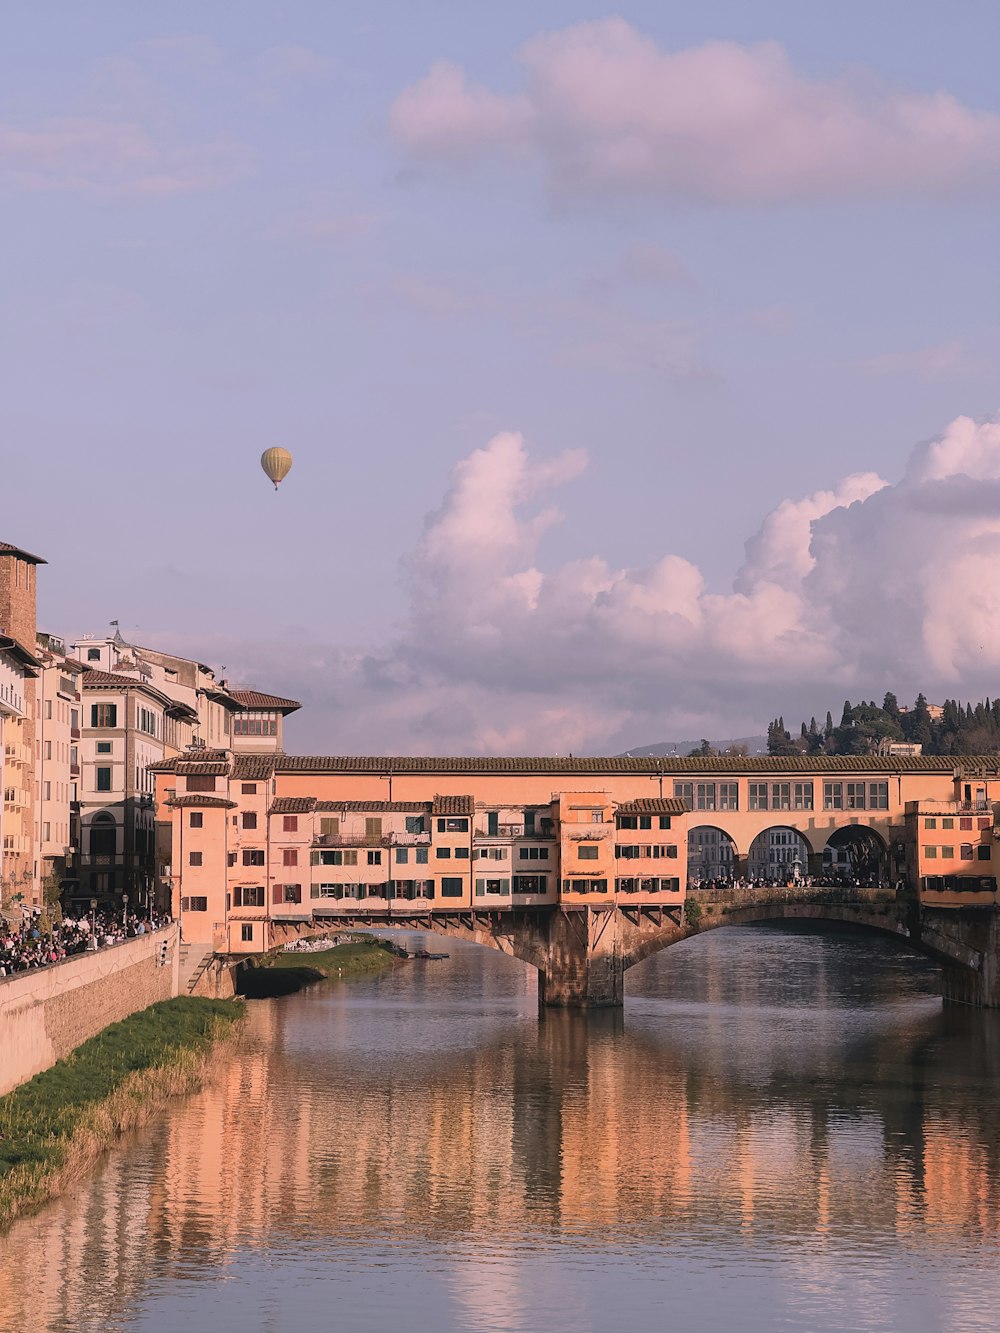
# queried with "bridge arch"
point(779, 854)
point(712, 854)
point(856, 854)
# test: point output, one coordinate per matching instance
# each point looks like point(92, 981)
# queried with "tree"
point(847, 717)
point(890, 705)
point(703, 751)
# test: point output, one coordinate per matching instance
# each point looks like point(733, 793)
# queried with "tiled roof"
point(197, 798)
point(377, 807)
point(110, 680)
point(292, 805)
point(211, 768)
point(256, 699)
point(655, 805)
point(453, 805)
point(7, 549)
point(252, 767)
point(9, 644)
point(668, 765)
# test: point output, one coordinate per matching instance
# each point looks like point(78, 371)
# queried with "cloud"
point(109, 157)
point(850, 591)
point(941, 359)
point(604, 108)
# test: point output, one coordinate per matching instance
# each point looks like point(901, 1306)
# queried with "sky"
point(639, 365)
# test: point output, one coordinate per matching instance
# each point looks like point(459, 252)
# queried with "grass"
point(288, 972)
point(54, 1125)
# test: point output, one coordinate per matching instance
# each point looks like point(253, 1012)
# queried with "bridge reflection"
point(618, 1129)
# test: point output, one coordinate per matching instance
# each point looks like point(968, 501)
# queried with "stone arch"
point(102, 835)
point(779, 854)
point(856, 854)
point(712, 854)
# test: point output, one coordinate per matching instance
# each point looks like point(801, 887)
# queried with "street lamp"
point(93, 923)
point(124, 910)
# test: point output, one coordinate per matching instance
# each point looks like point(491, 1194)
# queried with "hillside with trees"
point(960, 729)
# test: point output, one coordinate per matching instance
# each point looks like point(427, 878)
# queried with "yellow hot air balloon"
point(277, 464)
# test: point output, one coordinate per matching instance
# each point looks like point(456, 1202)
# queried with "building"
point(18, 593)
point(57, 766)
point(257, 729)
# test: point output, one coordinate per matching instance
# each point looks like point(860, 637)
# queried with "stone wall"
point(48, 1012)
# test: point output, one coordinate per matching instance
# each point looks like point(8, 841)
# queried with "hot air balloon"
point(277, 464)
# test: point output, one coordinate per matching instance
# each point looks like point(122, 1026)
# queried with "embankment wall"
point(47, 1013)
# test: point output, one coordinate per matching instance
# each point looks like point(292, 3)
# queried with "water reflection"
point(793, 1114)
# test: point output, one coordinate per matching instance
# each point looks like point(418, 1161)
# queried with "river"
point(785, 1130)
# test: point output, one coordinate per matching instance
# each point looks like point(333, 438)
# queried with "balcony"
point(384, 840)
point(977, 807)
point(546, 832)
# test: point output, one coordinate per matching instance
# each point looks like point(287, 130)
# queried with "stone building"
point(20, 857)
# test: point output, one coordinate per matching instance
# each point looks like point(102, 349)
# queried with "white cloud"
point(605, 108)
point(850, 591)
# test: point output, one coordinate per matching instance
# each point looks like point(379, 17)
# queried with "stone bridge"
point(582, 954)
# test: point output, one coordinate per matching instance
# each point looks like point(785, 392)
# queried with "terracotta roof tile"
point(253, 767)
point(453, 805)
point(7, 549)
point(668, 765)
point(376, 807)
point(196, 798)
point(652, 805)
point(213, 768)
point(292, 805)
point(256, 699)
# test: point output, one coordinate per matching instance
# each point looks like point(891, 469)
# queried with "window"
point(194, 858)
point(93, 654)
point(984, 822)
point(878, 796)
point(291, 893)
point(103, 782)
point(197, 819)
point(491, 886)
point(965, 851)
point(255, 726)
point(533, 853)
point(231, 859)
point(930, 853)
point(855, 795)
point(982, 853)
point(329, 826)
point(965, 823)
point(930, 823)
point(585, 885)
point(103, 747)
point(947, 823)
point(451, 888)
point(664, 821)
point(249, 819)
point(443, 853)
point(948, 853)
point(246, 932)
point(421, 855)
point(597, 816)
point(461, 852)
point(248, 788)
point(104, 715)
point(802, 796)
point(289, 856)
point(374, 858)
point(758, 795)
point(253, 856)
point(833, 796)
point(628, 821)
point(402, 855)
point(415, 824)
point(492, 823)
point(145, 720)
point(373, 827)
point(529, 884)
point(252, 896)
point(729, 796)
point(588, 851)
point(201, 782)
point(781, 795)
point(290, 823)
point(197, 904)
point(345, 858)
point(453, 826)
point(628, 851)
point(491, 853)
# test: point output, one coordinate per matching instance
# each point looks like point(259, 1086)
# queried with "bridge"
point(582, 953)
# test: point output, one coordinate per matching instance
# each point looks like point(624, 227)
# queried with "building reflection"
point(567, 1128)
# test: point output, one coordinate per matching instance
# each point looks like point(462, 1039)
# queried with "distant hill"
point(754, 745)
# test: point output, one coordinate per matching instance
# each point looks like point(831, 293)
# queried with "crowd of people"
point(804, 882)
point(37, 942)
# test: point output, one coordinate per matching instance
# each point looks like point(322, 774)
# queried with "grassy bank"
point(285, 973)
point(52, 1127)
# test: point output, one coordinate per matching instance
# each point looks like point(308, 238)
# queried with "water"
point(784, 1131)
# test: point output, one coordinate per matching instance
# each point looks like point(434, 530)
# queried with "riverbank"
point(286, 973)
point(55, 1125)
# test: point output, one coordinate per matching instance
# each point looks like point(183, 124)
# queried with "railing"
point(820, 894)
point(977, 807)
point(383, 840)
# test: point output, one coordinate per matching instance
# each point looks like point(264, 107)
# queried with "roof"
point(17, 650)
point(253, 767)
point(257, 699)
point(292, 805)
point(7, 549)
point(202, 799)
point(453, 805)
point(656, 805)
point(667, 766)
point(376, 807)
point(206, 768)
point(110, 680)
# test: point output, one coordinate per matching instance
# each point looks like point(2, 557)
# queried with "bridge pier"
point(582, 965)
